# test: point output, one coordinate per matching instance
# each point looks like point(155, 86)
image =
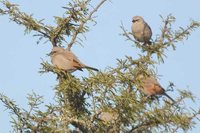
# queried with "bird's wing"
point(158, 88)
point(76, 63)
point(62, 62)
point(148, 87)
point(147, 31)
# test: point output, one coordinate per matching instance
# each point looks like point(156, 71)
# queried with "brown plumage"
point(107, 116)
point(66, 60)
point(151, 87)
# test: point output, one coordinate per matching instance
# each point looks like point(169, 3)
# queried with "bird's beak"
point(49, 54)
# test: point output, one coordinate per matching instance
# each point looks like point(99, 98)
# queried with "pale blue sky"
point(21, 57)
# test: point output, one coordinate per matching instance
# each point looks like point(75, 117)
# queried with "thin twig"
point(141, 126)
point(184, 32)
point(82, 24)
point(166, 22)
point(126, 33)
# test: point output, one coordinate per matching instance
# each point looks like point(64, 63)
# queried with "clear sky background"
point(20, 56)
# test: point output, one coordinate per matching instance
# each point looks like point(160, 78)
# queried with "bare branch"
point(125, 33)
point(83, 22)
point(165, 28)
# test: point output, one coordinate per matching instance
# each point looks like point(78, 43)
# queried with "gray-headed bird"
point(141, 30)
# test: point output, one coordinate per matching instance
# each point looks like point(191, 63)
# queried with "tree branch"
point(24, 19)
point(165, 28)
point(74, 36)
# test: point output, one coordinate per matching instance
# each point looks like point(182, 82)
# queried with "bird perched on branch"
point(107, 116)
point(141, 30)
point(66, 60)
point(151, 87)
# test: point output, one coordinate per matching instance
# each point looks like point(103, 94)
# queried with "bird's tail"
point(92, 68)
point(170, 98)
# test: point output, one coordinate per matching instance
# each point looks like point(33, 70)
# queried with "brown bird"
point(107, 116)
point(66, 60)
point(151, 87)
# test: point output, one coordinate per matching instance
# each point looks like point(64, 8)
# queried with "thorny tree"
point(106, 101)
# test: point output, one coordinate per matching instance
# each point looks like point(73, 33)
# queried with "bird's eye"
point(52, 52)
point(135, 20)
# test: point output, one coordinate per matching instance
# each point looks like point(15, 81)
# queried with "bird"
point(141, 30)
point(67, 60)
point(107, 116)
point(151, 87)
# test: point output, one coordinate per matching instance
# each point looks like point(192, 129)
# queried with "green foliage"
point(85, 104)
point(70, 25)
